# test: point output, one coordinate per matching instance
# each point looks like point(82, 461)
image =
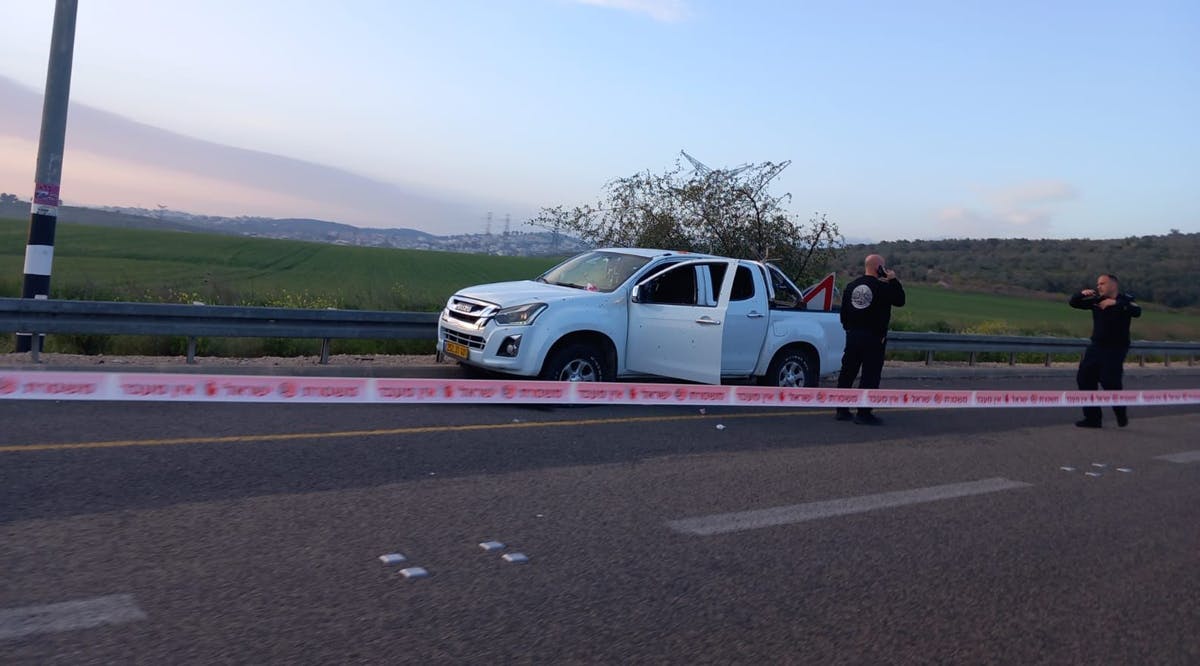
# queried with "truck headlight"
point(519, 315)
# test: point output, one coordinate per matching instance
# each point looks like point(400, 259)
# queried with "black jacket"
point(1110, 326)
point(867, 304)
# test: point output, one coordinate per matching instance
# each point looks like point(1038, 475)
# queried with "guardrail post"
point(1167, 359)
point(35, 347)
point(929, 357)
point(1141, 360)
point(971, 359)
point(1012, 358)
point(325, 351)
point(1191, 360)
point(1047, 359)
point(191, 351)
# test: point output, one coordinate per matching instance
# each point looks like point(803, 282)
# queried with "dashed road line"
point(415, 430)
point(1182, 458)
point(69, 616)
point(724, 523)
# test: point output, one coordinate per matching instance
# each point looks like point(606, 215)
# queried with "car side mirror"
point(636, 294)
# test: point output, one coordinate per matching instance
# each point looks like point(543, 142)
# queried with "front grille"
point(472, 341)
point(469, 311)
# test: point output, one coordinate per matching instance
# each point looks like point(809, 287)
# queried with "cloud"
point(114, 161)
point(1030, 193)
point(1021, 210)
point(964, 222)
point(667, 11)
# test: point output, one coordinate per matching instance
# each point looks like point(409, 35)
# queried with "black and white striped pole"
point(39, 250)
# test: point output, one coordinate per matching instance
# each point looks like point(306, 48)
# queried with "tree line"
point(1159, 269)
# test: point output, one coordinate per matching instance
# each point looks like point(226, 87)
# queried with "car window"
point(743, 283)
point(671, 287)
point(786, 296)
point(717, 273)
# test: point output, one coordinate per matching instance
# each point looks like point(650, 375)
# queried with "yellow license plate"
point(457, 350)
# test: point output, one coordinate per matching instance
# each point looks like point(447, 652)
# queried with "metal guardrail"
point(1017, 344)
point(224, 321)
point(218, 321)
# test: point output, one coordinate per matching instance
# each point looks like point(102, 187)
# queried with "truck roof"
point(648, 252)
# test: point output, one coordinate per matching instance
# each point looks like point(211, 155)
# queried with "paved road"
point(653, 536)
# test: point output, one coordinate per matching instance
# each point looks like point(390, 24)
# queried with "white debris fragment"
point(539, 516)
point(703, 410)
point(1094, 474)
point(492, 545)
point(720, 426)
point(1125, 469)
point(414, 572)
point(515, 558)
point(1066, 468)
point(516, 420)
point(392, 558)
point(1100, 465)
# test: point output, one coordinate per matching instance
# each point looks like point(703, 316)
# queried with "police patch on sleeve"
point(861, 297)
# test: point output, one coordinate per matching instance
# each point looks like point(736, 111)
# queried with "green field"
point(936, 309)
point(104, 263)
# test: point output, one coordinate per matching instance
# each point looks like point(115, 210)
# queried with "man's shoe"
point(843, 415)
point(1087, 424)
point(868, 419)
point(1122, 420)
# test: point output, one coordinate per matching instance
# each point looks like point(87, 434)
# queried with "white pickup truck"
point(614, 313)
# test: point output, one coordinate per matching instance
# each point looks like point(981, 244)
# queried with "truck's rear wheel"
point(576, 362)
point(792, 368)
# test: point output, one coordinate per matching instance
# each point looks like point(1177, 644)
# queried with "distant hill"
point(1160, 269)
point(511, 244)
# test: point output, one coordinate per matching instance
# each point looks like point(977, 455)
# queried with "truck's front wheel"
point(792, 368)
point(575, 362)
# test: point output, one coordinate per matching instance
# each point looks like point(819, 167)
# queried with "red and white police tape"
point(358, 390)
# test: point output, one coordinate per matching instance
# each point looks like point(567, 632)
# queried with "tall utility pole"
point(39, 250)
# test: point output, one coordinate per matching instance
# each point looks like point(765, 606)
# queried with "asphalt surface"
point(257, 538)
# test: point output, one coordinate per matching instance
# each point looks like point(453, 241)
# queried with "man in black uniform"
point(1104, 360)
point(866, 311)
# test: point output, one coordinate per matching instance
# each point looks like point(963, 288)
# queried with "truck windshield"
point(595, 271)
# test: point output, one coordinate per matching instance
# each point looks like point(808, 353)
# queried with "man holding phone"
point(866, 312)
point(1103, 361)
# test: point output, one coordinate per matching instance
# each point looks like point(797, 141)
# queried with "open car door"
point(674, 331)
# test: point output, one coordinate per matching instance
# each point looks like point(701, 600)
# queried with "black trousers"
point(1101, 366)
point(864, 350)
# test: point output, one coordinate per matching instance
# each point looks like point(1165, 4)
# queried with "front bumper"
point(484, 345)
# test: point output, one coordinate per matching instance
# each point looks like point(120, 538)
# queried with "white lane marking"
point(1182, 458)
point(722, 523)
point(69, 615)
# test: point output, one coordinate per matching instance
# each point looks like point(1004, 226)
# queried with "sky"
point(902, 120)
